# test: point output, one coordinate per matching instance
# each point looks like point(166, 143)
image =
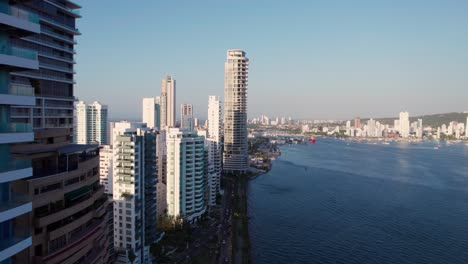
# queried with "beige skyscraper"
point(168, 102)
point(235, 112)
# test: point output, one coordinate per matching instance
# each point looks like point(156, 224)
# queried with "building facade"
point(106, 156)
point(151, 113)
point(70, 209)
point(90, 123)
point(235, 154)
point(185, 174)
point(69, 222)
point(186, 117)
point(16, 207)
point(168, 102)
point(213, 142)
point(134, 193)
point(404, 125)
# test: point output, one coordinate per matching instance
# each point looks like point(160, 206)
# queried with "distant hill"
point(428, 120)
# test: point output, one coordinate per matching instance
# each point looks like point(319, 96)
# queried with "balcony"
point(18, 94)
point(49, 44)
point(56, 68)
point(36, 75)
point(15, 170)
point(17, 205)
point(14, 245)
point(64, 213)
point(17, 59)
point(59, 25)
point(56, 56)
point(23, 22)
point(58, 36)
point(67, 9)
point(16, 133)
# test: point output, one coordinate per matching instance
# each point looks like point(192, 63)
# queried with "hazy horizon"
point(322, 59)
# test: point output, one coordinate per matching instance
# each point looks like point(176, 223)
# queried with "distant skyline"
point(308, 59)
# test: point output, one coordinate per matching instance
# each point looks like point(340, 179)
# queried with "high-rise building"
point(53, 81)
point(134, 192)
point(466, 128)
point(70, 215)
point(419, 130)
point(15, 211)
point(186, 116)
point(106, 156)
point(151, 112)
point(357, 122)
point(213, 141)
point(235, 154)
point(168, 102)
point(161, 206)
point(185, 174)
point(90, 124)
point(404, 124)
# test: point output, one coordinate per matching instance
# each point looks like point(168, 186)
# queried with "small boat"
point(312, 140)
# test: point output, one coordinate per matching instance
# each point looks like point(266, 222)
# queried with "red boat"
point(312, 140)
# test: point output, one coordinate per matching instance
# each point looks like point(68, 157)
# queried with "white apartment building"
point(106, 156)
point(235, 154)
point(90, 123)
point(134, 191)
point(151, 112)
point(185, 174)
point(168, 102)
point(213, 141)
point(404, 124)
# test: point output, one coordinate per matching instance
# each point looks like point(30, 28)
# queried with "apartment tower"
point(70, 212)
point(186, 116)
point(213, 141)
point(15, 208)
point(185, 174)
point(134, 192)
point(90, 124)
point(168, 102)
point(235, 154)
point(404, 124)
point(151, 113)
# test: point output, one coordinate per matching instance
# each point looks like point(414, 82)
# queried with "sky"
point(318, 59)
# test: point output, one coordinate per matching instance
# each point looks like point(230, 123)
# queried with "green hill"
point(428, 120)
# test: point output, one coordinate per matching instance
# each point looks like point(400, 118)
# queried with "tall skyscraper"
point(90, 123)
point(404, 124)
point(213, 141)
point(69, 222)
point(185, 174)
point(235, 154)
point(186, 116)
point(151, 112)
point(15, 223)
point(168, 102)
point(134, 192)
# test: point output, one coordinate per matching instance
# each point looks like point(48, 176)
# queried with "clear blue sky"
point(317, 59)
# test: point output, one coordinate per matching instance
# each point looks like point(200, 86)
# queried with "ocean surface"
point(352, 202)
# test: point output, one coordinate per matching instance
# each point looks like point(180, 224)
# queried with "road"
point(220, 229)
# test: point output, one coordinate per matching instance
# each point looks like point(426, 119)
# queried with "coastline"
point(240, 225)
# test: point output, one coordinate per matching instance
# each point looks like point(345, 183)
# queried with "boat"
point(312, 140)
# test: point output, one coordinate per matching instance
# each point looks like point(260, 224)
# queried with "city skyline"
point(389, 56)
